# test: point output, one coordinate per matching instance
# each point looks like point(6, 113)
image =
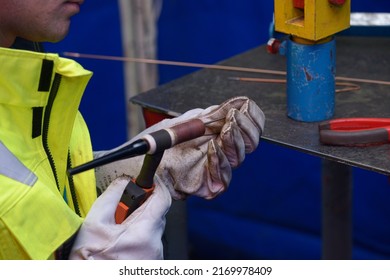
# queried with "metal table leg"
point(175, 236)
point(336, 210)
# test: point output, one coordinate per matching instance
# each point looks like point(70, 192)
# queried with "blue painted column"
point(311, 72)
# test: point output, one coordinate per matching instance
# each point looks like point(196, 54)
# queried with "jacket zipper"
point(72, 188)
point(46, 121)
point(45, 140)
point(61, 253)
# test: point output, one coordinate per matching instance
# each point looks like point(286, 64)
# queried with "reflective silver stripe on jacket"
point(11, 167)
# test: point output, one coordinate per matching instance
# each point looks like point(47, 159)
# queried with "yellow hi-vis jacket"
point(41, 135)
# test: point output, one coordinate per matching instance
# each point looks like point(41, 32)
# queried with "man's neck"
point(6, 41)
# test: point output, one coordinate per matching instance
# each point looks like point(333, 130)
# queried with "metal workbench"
point(357, 57)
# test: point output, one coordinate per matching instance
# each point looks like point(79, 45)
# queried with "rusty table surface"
point(357, 57)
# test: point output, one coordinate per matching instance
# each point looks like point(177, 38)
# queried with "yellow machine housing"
point(318, 19)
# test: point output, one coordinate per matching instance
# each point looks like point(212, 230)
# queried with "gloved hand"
point(138, 237)
point(202, 166)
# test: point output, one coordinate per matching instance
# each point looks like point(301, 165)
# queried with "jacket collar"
point(21, 75)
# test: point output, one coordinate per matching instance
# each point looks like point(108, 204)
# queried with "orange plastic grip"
point(121, 212)
point(131, 199)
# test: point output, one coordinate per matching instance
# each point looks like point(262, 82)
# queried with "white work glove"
point(202, 166)
point(137, 238)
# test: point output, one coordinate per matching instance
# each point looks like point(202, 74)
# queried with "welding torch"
point(153, 145)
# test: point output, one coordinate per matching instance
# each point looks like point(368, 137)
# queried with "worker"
point(45, 214)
